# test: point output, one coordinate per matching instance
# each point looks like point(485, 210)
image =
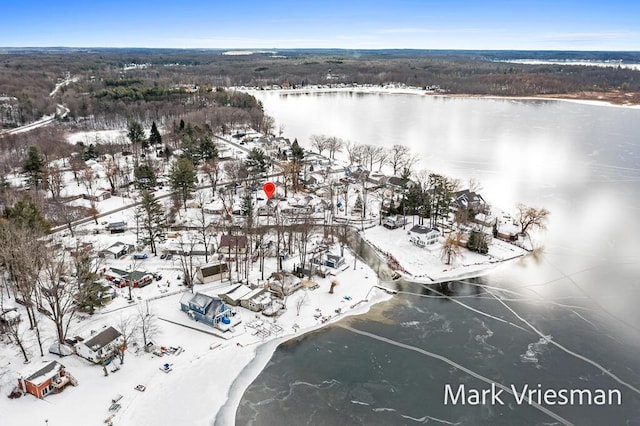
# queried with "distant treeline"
point(145, 83)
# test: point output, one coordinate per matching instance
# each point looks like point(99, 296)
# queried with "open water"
point(568, 319)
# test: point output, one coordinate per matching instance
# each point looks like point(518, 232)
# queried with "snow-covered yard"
point(201, 376)
point(427, 264)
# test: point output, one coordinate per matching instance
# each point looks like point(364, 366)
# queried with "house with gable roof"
point(101, 346)
point(423, 236)
point(51, 378)
point(207, 309)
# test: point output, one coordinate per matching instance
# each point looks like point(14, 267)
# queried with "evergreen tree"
point(257, 161)
point(297, 152)
point(145, 176)
point(152, 215)
point(207, 149)
point(297, 158)
point(33, 166)
point(94, 294)
point(183, 178)
point(135, 134)
point(26, 215)
point(154, 135)
point(247, 205)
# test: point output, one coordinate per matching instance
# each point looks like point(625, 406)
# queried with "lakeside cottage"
point(284, 284)
point(52, 378)
point(257, 300)
point(102, 346)
point(423, 236)
point(116, 250)
point(235, 295)
point(207, 309)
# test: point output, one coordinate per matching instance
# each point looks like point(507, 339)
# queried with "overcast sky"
point(350, 24)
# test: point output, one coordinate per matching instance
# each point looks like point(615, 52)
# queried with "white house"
point(284, 284)
point(101, 346)
point(257, 300)
point(423, 236)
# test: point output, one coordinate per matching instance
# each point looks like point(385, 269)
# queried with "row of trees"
point(398, 157)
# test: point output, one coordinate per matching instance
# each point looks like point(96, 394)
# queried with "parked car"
point(140, 256)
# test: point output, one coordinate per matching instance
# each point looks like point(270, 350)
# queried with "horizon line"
point(267, 49)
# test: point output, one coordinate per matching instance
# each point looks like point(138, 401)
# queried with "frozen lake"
point(582, 162)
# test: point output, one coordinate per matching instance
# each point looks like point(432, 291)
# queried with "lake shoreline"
point(611, 99)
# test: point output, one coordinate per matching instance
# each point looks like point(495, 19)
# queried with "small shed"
point(117, 227)
point(394, 222)
point(211, 272)
point(9, 316)
point(334, 261)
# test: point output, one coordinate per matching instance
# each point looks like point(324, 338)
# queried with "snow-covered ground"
point(427, 264)
point(201, 377)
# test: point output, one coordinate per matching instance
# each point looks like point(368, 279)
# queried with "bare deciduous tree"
point(148, 323)
point(58, 293)
point(211, 169)
point(531, 217)
point(451, 247)
point(319, 143)
point(334, 145)
point(128, 327)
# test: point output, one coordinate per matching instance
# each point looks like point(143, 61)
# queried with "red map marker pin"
point(269, 189)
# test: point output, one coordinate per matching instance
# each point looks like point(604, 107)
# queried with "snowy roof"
point(238, 292)
point(45, 373)
point(212, 268)
point(420, 229)
point(253, 293)
point(103, 338)
point(200, 300)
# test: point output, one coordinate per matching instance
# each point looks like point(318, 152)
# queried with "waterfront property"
point(235, 295)
point(207, 309)
point(257, 300)
point(124, 278)
point(116, 250)
point(423, 236)
point(284, 284)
